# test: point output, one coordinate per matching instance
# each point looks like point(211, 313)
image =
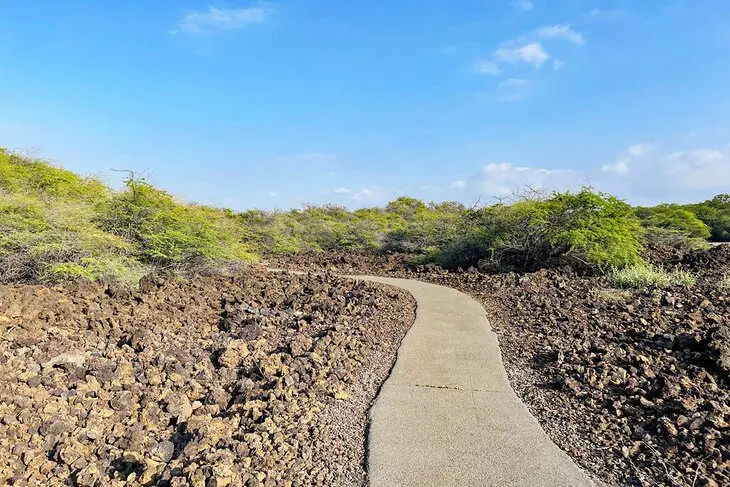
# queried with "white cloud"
point(700, 168)
point(523, 5)
point(343, 190)
point(561, 31)
point(557, 64)
point(688, 175)
point(698, 158)
point(308, 157)
point(619, 167)
point(532, 53)
point(623, 165)
point(367, 195)
point(487, 67)
point(504, 178)
point(459, 184)
point(273, 194)
point(222, 19)
point(638, 150)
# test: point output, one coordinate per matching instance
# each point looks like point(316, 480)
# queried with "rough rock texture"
point(251, 379)
point(635, 386)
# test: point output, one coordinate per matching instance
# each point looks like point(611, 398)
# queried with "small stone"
point(645, 402)
point(341, 395)
point(179, 406)
point(163, 451)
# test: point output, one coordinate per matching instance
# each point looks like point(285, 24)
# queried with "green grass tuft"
point(646, 276)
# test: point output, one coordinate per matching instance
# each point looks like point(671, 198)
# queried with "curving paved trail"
point(447, 415)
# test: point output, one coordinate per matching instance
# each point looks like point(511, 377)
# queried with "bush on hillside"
point(47, 232)
point(715, 213)
point(42, 240)
point(674, 217)
point(658, 237)
point(314, 229)
point(169, 234)
point(422, 226)
point(36, 177)
point(585, 229)
point(56, 226)
point(405, 224)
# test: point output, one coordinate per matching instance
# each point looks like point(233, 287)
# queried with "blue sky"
point(276, 104)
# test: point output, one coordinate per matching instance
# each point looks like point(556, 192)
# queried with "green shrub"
point(585, 229)
point(416, 226)
point(36, 233)
point(647, 276)
point(56, 226)
point(464, 251)
point(715, 213)
point(405, 224)
point(120, 269)
point(593, 229)
point(169, 234)
point(674, 217)
point(655, 236)
point(37, 177)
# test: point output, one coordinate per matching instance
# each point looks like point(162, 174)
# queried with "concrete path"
point(447, 415)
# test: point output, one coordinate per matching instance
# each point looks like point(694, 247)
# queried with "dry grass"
point(647, 276)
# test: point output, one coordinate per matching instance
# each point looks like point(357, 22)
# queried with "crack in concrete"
point(452, 388)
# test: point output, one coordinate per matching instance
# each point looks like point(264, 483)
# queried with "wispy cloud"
point(561, 31)
point(369, 195)
point(504, 178)
point(222, 19)
point(487, 67)
point(619, 167)
point(623, 165)
point(523, 5)
point(342, 190)
point(639, 149)
point(532, 53)
point(273, 194)
point(681, 175)
point(459, 184)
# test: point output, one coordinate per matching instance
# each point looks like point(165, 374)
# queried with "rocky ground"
point(634, 385)
point(251, 379)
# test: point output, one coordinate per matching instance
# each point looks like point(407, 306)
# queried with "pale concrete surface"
point(447, 415)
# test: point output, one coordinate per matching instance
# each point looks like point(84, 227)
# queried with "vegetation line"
point(57, 226)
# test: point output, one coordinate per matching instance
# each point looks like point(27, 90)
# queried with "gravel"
point(634, 385)
point(246, 379)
